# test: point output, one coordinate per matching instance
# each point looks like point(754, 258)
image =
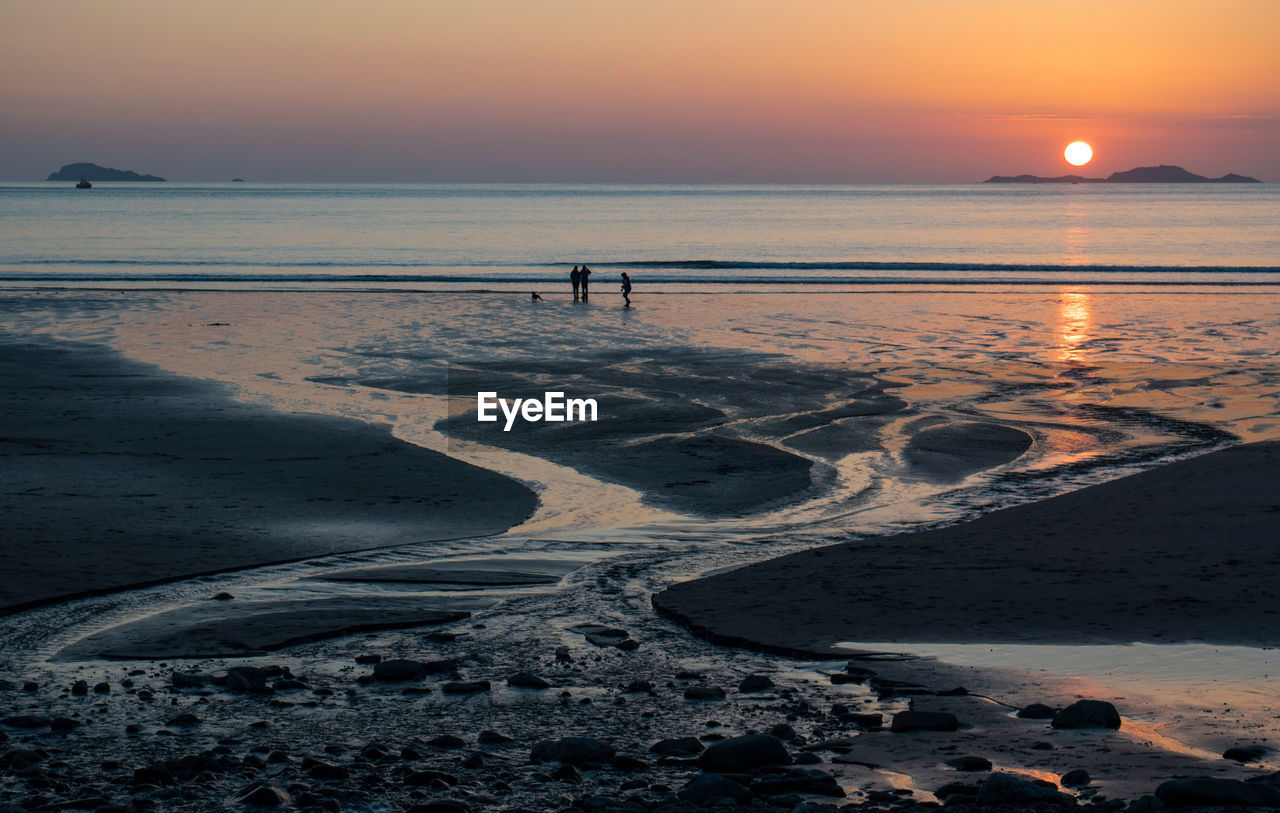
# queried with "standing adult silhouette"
point(626, 289)
point(585, 278)
point(575, 277)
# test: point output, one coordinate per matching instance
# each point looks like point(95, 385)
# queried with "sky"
point(806, 91)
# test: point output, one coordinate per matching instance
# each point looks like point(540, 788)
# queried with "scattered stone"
point(782, 731)
point(1037, 711)
point(102, 688)
point(186, 719)
point(677, 747)
point(704, 693)
point(885, 688)
point(970, 764)
point(798, 780)
point(562, 654)
point(687, 675)
point(422, 779)
point(755, 683)
point(1246, 753)
point(368, 660)
point(708, 788)
point(318, 769)
point(222, 597)
point(263, 795)
point(573, 750)
point(493, 738)
point(905, 721)
point(1087, 714)
point(399, 670)
point(447, 741)
point(527, 680)
point(374, 752)
point(740, 754)
point(954, 788)
point(638, 687)
point(872, 719)
point(566, 773)
point(473, 761)
point(26, 721)
point(188, 680)
point(1212, 791)
point(1006, 789)
point(622, 762)
point(80, 688)
point(1077, 778)
point(154, 774)
point(466, 687)
point(604, 636)
point(64, 724)
point(246, 679)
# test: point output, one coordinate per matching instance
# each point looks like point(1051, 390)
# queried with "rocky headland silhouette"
point(93, 172)
point(1164, 173)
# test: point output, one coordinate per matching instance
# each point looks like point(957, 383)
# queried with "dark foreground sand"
point(115, 474)
point(1184, 553)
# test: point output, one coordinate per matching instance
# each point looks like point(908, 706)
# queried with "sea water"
point(520, 237)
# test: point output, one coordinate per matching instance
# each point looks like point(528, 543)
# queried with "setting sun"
point(1078, 153)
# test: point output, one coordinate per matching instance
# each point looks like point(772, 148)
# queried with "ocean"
point(669, 238)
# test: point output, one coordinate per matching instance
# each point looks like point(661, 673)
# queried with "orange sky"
point(666, 90)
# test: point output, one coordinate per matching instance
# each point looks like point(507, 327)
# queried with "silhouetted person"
point(534, 296)
point(575, 277)
point(585, 277)
point(626, 289)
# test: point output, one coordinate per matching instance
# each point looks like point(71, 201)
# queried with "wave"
point(672, 265)
point(506, 282)
point(927, 265)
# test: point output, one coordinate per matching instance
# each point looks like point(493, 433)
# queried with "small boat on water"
point(84, 184)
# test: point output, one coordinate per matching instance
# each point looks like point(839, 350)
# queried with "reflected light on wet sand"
point(1075, 325)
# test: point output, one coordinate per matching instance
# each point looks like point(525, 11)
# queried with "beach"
point(290, 487)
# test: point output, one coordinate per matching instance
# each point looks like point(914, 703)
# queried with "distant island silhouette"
point(93, 172)
point(1161, 174)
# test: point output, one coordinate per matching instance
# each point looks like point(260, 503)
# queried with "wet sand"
point(333, 734)
point(117, 474)
point(1184, 553)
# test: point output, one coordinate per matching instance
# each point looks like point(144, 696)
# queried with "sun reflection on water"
point(1075, 325)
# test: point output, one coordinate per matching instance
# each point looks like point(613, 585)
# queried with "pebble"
point(970, 764)
point(1087, 714)
point(743, 753)
point(1037, 711)
point(755, 683)
point(1077, 778)
point(527, 680)
point(573, 750)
